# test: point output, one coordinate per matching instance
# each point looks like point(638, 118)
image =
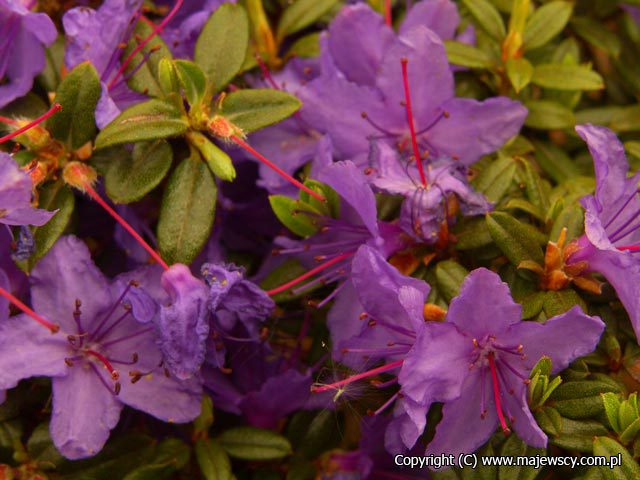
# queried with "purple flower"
point(196, 317)
point(262, 385)
point(22, 53)
point(632, 10)
point(362, 74)
point(182, 31)
point(612, 226)
point(476, 362)
point(96, 36)
point(183, 324)
point(426, 209)
point(338, 239)
point(103, 358)
point(15, 196)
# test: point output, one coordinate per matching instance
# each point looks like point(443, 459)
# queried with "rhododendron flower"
point(104, 356)
point(611, 241)
point(25, 35)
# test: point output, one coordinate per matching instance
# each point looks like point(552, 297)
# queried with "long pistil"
point(55, 108)
point(496, 393)
point(414, 141)
point(155, 255)
point(54, 327)
point(308, 274)
point(241, 143)
point(359, 376)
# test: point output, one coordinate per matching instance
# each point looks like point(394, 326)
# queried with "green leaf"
point(549, 420)
point(289, 212)
point(144, 66)
point(578, 435)
point(536, 193)
point(78, 94)
point(548, 115)
point(54, 196)
point(305, 47)
point(222, 45)
point(213, 460)
point(545, 23)
point(581, 399)
point(192, 79)
point(219, 162)
point(472, 233)
point(41, 448)
point(50, 77)
point(467, 55)
point(496, 179)
point(554, 161)
point(597, 34)
point(519, 71)
point(300, 14)
point(513, 238)
point(449, 276)
point(187, 212)
point(202, 424)
point(557, 302)
point(249, 443)
point(626, 119)
point(168, 80)
point(630, 433)
point(487, 17)
point(514, 447)
point(148, 120)
point(566, 77)
point(607, 447)
point(131, 177)
point(571, 218)
point(169, 457)
point(258, 108)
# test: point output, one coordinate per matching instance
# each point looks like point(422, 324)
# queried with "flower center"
point(496, 358)
point(92, 347)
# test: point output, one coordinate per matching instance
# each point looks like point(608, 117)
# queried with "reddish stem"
point(93, 194)
point(353, 378)
point(142, 44)
point(387, 12)
point(238, 141)
point(55, 108)
point(496, 393)
point(414, 140)
point(310, 273)
point(45, 323)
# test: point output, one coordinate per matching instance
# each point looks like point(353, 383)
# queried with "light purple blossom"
point(15, 196)
point(104, 357)
point(481, 352)
point(612, 223)
point(23, 38)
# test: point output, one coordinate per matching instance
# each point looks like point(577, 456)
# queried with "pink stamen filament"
point(142, 44)
point(45, 323)
point(266, 74)
point(112, 371)
point(55, 108)
point(412, 129)
point(387, 12)
point(632, 248)
point(51, 326)
point(496, 393)
point(241, 143)
point(93, 194)
point(359, 376)
point(310, 273)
